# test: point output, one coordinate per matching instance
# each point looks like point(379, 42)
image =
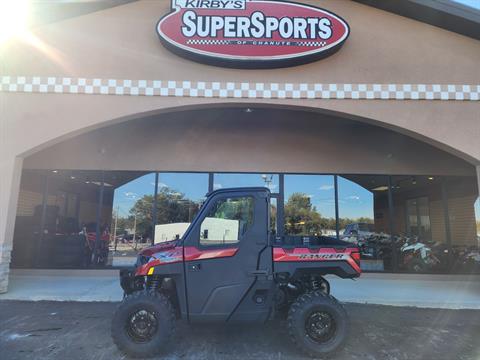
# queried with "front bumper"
point(127, 280)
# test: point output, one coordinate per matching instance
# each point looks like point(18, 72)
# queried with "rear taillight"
point(356, 257)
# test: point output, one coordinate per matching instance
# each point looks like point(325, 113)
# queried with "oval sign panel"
point(251, 33)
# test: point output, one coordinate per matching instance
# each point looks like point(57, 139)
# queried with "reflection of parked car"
point(358, 230)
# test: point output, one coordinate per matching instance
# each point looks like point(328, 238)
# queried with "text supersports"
point(257, 25)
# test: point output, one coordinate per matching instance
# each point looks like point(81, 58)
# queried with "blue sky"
point(354, 201)
point(472, 3)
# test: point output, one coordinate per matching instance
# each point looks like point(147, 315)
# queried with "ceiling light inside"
point(380, 188)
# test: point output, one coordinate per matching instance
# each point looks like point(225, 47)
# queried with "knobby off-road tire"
point(317, 324)
point(143, 324)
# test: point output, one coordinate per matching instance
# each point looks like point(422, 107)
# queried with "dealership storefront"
point(364, 125)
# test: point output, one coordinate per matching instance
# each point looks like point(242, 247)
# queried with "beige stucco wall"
point(121, 43)
point(264, 140)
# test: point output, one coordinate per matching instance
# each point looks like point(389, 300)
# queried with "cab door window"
point(227, 221)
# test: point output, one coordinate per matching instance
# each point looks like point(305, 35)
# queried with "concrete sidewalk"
point(429, 291)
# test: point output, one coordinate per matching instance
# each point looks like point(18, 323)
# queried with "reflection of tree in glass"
point(302, 218)
point(172, 207)
point(234, 209)
point(273, 218)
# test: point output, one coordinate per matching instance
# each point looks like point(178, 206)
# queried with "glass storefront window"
point(226, 180)
point(421, 223)
point(477, 220)
point(273, 216)
point(309, 207)
point(355, 205)
point(180, 196)
point(364, 218)
point(132, 222)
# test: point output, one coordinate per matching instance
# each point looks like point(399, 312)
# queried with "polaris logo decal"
point(251, 33)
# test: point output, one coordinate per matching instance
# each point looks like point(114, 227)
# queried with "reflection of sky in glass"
point(319, 188)
point(354, 200)
point(477, 213)
point(125, 196)
point(193, 186)
point(472, 3)
point(239, 180)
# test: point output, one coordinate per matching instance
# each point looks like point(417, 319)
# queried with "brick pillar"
point(10, 172)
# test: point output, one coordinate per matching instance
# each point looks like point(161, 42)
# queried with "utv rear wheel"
point(143, 324)
point(317, 324)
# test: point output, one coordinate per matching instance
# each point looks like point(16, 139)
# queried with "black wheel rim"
point(141, 326)
point(320, 326)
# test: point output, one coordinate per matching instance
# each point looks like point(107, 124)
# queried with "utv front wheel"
point(317, 324)
point(143, 324)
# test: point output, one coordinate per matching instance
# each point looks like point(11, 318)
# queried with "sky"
point(354, 201)
point(472, 3)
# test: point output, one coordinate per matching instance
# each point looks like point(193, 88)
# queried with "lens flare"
point(13, 18)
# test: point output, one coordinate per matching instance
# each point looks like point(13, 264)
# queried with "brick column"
point(10, 172)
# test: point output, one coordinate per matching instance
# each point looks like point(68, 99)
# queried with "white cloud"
point(310, 196)
point(217, 186)
point(131, 195)
point(160, 184)
point(353, 197)
point(326, 187)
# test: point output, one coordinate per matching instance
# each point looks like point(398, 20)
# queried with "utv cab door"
point(228, 263)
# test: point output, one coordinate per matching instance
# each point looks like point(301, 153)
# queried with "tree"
point(301, 217)
point(172, 207)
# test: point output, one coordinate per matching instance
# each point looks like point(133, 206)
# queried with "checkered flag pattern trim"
point(312, 43)
point(212, 89)
point(208, 42)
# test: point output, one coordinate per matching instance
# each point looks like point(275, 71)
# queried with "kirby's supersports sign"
point(251, 33)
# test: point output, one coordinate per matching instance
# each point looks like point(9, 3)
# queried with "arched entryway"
point(325, 161)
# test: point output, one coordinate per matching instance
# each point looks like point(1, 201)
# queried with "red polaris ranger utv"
point(229, 267)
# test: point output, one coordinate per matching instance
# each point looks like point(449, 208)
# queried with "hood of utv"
point(145, 255)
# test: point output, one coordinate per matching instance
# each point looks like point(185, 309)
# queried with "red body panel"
point(163, 246)
point(350, 255)
point(170, 255)
point(165, 256)
point(192, 253)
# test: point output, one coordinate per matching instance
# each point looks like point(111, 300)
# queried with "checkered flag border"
point(312, 43)
point(212, 89)
point(208, 42)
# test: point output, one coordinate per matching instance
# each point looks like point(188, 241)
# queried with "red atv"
point(229, 268)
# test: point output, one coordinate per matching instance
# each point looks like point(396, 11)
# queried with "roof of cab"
point(239, 189)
